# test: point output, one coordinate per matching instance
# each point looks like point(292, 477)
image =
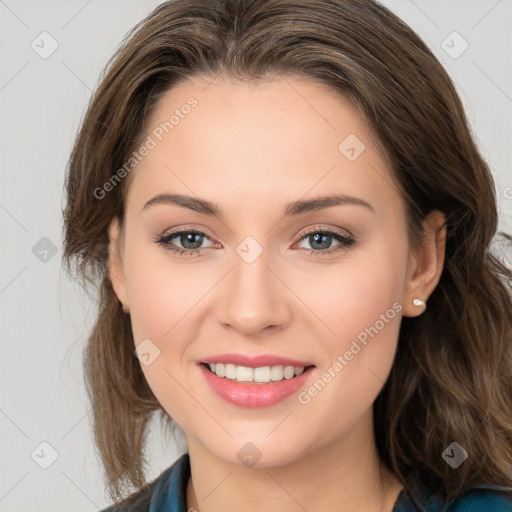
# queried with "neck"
point(342, 476)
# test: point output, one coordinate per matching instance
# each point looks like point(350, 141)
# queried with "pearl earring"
point(418, 302)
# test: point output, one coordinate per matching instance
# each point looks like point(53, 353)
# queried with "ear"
point(425, 265)
point(115, 265)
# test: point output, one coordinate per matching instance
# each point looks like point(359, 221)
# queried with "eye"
point(191, 241)
point(321, 239)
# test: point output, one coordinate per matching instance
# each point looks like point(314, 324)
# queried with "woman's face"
point(265, 277)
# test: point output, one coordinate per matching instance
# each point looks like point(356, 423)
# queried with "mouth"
point(278, 382)
point(259, 375)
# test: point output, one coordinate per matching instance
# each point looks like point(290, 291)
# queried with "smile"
point(267, 385)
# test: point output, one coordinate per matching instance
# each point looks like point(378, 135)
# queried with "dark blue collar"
point(170, 494)
point(428, 501)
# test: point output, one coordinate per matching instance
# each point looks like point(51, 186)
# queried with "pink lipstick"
point(256, 394)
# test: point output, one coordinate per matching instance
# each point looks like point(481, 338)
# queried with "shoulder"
point(137, 502)
point(483, 499)
point(477, 498)
point(161, 494)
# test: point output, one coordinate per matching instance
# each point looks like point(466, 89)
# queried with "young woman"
point(290, 226)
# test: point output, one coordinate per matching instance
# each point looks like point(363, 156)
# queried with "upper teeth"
point(261, 374)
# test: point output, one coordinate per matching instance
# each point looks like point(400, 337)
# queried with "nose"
point(253, 298)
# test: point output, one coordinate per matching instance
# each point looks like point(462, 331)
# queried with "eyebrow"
point(294, 208)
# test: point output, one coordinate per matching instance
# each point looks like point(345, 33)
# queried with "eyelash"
point(345, 241)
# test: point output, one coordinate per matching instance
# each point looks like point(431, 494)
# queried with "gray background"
point(44, 316)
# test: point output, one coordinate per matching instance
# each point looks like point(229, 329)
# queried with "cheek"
point(366, 286)
point(160, 296)
point(361, 306)
point(156, 291)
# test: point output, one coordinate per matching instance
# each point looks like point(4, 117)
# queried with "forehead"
point(277, 140)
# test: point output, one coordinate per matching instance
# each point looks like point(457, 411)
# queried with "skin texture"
point(252, 149)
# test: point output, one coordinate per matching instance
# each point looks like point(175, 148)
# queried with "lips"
point(255, 361)
point(254, 395)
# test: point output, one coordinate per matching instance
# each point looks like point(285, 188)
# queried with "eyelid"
point(320, 229)
point(188, 228)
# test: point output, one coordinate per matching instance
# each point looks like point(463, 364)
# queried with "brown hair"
point(452, 376)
